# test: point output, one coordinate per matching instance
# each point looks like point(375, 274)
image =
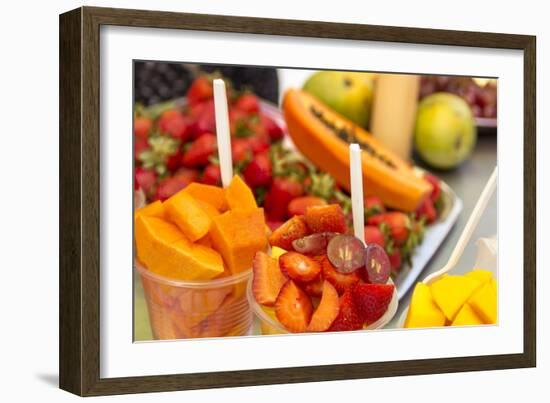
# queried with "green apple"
point(445, 131)
point(348, 93)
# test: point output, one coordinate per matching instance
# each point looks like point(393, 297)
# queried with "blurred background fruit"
point(348, 93)
point(445, 132)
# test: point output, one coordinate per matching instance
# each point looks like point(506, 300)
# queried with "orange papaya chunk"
point(155, 209)
point(237, 235)
point(239, 196)
point(208, 193)
point(186, 212)
point(165, 250)
point(208, 208)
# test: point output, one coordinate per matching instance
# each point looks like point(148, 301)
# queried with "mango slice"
point(188, 215)
point(467, 317)
point(483, 276)
point(239, 196)
point(165, 250)
point(484, 302)
point(207, 193)
point(277, 252)
point(423, 312)
point(238, 235)
point(155, 209)
point(451, 292)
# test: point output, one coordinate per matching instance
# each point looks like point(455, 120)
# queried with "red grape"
point(346, 253)
point(377, 264)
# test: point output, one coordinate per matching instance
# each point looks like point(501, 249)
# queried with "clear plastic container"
point(270, 325)
point(194, 309)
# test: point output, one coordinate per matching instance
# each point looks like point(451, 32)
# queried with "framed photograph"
point(249, 201)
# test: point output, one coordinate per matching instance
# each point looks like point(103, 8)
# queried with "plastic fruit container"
point(194, 309)
point(269, 324)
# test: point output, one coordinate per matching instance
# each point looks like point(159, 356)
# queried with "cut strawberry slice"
point(299, 267)
point(372, 300)
point(267, 279)
point(329, 218)
point(326, 311)
point(315, 287)
point(293, 229)
point(340, 281)
point(293, 308)
point(348, 316)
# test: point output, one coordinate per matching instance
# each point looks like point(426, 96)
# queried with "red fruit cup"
point(194, 309)
point(269, 324)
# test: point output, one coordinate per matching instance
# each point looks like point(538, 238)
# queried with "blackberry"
point(155, 82)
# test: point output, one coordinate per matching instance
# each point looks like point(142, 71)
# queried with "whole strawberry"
point(398, 223)
point(200, 90)
point(281, 192)
point(212, 175)
point(258, 171)
point(248, 103)
point(146, 179)
point(373, 234)
point(200, 151)
point(142, 127)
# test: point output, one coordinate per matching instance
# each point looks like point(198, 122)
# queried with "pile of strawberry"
point(176, 146)
point(326, 280)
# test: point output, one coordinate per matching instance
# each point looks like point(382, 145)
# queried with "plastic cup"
point(270, 325)
point(194, 309)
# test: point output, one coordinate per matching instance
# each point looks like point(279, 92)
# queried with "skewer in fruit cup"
point(318, 277)
point(195, 251)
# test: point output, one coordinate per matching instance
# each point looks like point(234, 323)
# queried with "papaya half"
point(323, 136)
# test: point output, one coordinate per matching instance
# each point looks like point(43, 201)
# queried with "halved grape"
point(346, 253)
point(314, 244)
point(377, 264)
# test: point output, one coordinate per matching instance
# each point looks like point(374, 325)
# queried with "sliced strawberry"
point(273, 129)
point(436, 186)
point(267, 279)
point(374, 205)
point(340, 281)
point(315, 287)
point(395, 260)
point(146, 179)
point(299, 267)
point(258, 171)
point(142, 127)
point(200, 90)
point(328, 218)
point(279, 195)
point(293, 308)
point(212, 175)
point(348, 317)
point(200, 151)
point(291, 230)
point(398, 223)
point(299, 205)
point(248, 103)
point(372, 300)
point(326, 311)
point(427, 210)
point(374, 235)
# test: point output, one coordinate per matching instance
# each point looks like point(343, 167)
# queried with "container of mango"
point(470, 299)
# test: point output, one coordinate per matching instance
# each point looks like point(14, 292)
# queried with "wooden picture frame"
point(80, 200)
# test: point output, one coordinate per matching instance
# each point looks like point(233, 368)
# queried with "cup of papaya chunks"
point(194, 253)
point(318, 278)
